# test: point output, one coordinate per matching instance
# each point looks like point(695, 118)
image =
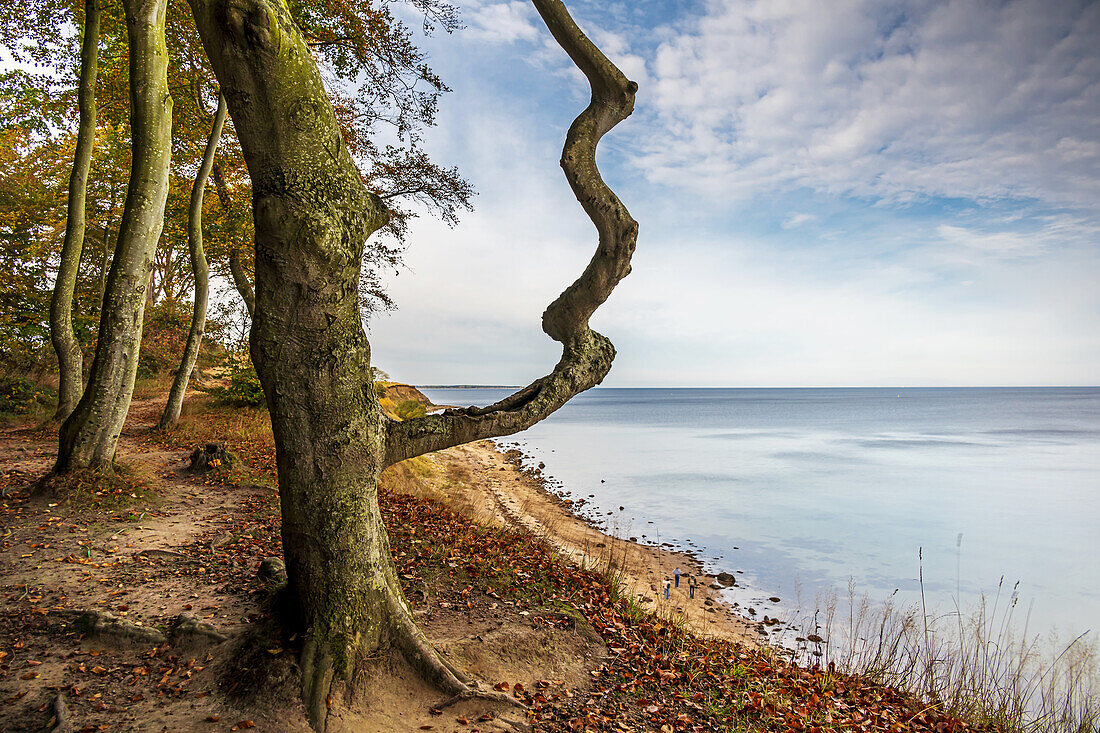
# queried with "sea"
point(943, 497)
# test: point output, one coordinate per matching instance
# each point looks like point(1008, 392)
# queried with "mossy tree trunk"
point(201, 272)
point(70, 364)
point(90, 434)
point(312, 218)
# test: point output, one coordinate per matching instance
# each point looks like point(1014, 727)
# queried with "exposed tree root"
point(436, 668)
point(422, 656)
point(322, 683)
point(62, 721)
point(104, 627)
point(317, 677)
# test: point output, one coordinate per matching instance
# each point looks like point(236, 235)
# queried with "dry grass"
point(234, 424)
point(112, 487)
point(146, 388)
point(977, 664)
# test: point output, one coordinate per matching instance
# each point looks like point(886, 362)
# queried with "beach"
point(491, 485)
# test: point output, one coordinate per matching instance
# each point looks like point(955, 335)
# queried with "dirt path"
point(191, 550)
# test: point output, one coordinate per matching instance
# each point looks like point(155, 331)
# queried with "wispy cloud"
point(895, 101)
point(857, 192)
point(500, 22)
point(796, 219)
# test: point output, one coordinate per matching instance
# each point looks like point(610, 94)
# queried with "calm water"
point(802, 489)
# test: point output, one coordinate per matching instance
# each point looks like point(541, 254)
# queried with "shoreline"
point(490, 483)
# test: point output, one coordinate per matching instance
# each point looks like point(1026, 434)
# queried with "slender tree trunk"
point(241, 281)
point(90, 435)
point(202, 276)
point(236, 269)
point(105, 251)
point(104, 258)
point(312, 217)
point(69, 361)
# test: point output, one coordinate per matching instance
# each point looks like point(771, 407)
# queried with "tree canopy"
point(379, 81)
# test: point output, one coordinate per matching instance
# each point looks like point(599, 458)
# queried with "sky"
point(851, 193)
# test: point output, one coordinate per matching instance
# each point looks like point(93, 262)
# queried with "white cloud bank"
point(886, 100)
point(500, 22)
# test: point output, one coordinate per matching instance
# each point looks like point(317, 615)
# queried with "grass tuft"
point(110, 488)
point(975, 664)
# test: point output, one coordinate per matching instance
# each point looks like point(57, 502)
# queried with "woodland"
point(292, 152)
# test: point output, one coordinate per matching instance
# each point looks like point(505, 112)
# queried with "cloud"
point(1002, 244)
point(500, 22)
point(617, 48)
point(796, 219)
point(757, 261)
point(895, 101)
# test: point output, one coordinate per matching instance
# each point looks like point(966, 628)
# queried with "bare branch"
point(586, 355)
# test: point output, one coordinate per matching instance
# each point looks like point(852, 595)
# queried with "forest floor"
point(129, 603)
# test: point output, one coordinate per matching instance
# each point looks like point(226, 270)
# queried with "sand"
point(489, 484)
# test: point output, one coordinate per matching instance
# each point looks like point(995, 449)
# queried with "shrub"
point(244, 387)
point(408, 409)
point(18, 395)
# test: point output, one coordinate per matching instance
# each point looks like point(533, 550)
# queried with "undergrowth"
point(114, 487)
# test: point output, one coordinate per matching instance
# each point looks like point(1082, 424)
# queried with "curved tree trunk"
point(312, 218)
point(90, 435)
point(240, 278)
point(241, 282)
point(202, 276)
point(69, 361)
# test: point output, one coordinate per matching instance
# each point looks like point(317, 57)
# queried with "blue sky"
point(847, 193)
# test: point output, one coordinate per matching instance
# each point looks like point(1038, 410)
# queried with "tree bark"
point(201, 272)
point(312, 218)
point(236, 269)
point(69, 359)
point(90, 435)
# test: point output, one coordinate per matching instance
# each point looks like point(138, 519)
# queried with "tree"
point(313, 214)
point(201, 274)
point(69, 361)
point(382, 85)
point(32, 185)
point(89, 436)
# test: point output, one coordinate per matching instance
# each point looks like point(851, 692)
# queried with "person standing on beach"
point(668, 585)
point(692, 582)
point(676, 574)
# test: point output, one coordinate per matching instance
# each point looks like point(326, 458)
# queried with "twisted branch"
point(586, 355)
